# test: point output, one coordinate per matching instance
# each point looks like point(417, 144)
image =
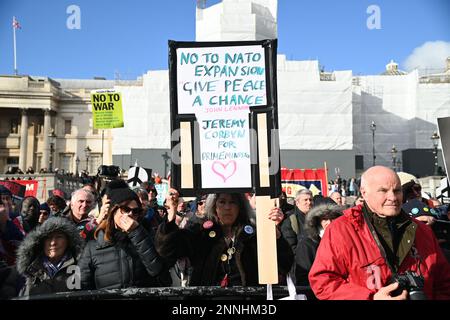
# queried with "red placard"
point(31, 187)
point(16, 189)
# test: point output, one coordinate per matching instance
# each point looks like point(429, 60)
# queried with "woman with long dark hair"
point(222, 250)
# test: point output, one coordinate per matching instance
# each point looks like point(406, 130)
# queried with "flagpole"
point(14, 37)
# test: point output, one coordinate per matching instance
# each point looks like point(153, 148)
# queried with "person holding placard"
point(223, 249)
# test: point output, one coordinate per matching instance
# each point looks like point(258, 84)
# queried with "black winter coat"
point(30, 259)
point(129, 260)
point(305, 253)
point(204, 250)
point(287, 230)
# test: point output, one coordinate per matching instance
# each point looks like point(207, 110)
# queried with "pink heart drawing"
point(225, 171)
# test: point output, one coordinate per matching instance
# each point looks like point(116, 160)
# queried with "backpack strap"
point(294, 223)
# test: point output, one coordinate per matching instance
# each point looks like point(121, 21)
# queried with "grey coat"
point(30, 257)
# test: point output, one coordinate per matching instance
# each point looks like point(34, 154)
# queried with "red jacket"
point(349, 265)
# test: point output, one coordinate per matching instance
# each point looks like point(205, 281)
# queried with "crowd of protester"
point(120, 237)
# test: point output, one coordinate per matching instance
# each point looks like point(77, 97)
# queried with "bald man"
point(362, 250)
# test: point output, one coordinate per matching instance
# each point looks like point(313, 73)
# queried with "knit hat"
point(5, 191)
point(118, 192)
point(59, 193)
point(44, 206)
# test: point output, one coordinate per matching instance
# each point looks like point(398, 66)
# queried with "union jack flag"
point(16, 24)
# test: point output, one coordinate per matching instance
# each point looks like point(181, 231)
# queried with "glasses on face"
point(200, 203)
point(134, 211)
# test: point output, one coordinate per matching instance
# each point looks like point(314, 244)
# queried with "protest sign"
point(444, 133)
point(107, 109)
point(224, 117)
point(138, 175)
point(224, 124)
point(31, 187)
point(16, 189)
point(162, 189)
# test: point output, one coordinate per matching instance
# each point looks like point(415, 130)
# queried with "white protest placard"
point(219, 85)
point(444, 133)
point(136, 176)
point(225, 150)
point(224, 121)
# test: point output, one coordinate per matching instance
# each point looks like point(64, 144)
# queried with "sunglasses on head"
point(135, 211)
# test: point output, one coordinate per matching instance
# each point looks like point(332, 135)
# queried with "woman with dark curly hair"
point(222, 250)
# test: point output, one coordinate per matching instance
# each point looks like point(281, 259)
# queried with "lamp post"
point(77, 164)
point(87, 152)
point(166, 158)
point(373, 127)
point(435, 138)
point(394, 158)
point(52, 140)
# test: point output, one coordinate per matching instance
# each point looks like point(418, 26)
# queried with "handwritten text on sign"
point(225, 150)
point(220, 79)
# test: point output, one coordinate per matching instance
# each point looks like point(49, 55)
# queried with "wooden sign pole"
point(266, 235)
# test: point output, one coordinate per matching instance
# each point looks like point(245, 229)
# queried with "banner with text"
point(216, 90)
point(444, 133)
point(31, 187)
point(16, 189)
point(296, 179)
point(106, 109)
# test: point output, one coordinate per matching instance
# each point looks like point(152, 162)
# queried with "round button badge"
point(415, 210)
point(212, 234)
point(207, 224)
point(248, 229)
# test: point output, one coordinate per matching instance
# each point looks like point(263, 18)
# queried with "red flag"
point(306, 178)
point(16, 24)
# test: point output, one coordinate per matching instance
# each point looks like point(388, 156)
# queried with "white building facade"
point(323, 117)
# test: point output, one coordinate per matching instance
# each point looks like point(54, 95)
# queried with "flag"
point(16, 24)
point(293, 180)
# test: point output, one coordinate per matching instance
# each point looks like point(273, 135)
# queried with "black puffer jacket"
point(30, 259)
point(205, 247)
point(309, 240)
point(129, 260)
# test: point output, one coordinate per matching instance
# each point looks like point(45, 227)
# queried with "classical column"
point(23, 141)
point(46, 144)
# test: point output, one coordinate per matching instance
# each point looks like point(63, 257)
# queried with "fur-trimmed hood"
point(317, 214)
point(32, 246)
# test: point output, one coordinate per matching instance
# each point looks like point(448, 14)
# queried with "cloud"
point(430, 55)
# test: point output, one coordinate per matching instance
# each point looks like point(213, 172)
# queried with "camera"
point(410, 282)
point(110, 172)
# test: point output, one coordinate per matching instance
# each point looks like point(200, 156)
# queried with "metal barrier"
point(175, 293)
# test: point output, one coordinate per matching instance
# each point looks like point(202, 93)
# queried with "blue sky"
point(130, 37)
